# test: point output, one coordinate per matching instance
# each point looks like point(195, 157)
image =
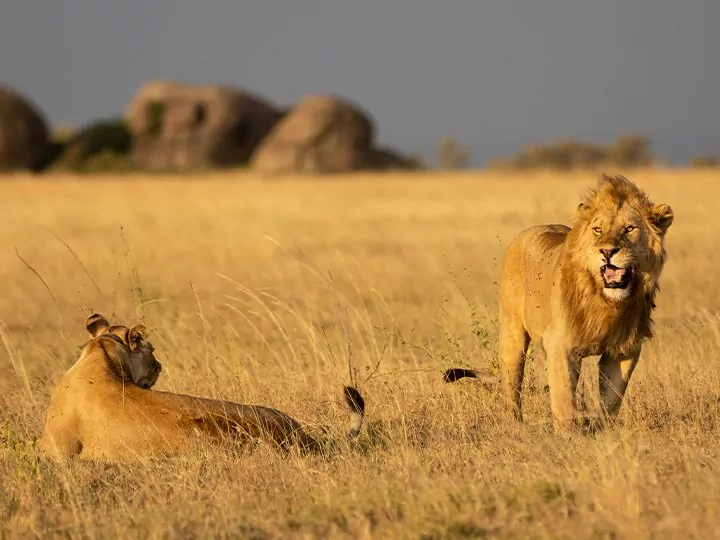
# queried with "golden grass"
point(266, 291)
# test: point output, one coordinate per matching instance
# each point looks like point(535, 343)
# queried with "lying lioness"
point(103, 407)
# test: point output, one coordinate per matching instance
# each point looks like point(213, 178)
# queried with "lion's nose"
point(608, 253)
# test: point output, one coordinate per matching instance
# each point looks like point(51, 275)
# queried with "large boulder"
point(181, 127)
point(321, 134)
point(137, 113)
point(24, 137)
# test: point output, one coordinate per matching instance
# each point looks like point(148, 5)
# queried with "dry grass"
point(265, 292)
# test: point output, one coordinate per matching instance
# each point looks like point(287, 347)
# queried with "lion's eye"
point(597, 230)
point(630, 228)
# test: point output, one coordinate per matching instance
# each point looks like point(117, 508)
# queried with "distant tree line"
point(629, 150)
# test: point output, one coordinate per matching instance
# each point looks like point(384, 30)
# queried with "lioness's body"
point(98, 412)
point(583, 291)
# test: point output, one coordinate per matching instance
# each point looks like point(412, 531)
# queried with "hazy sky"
point(495, 74)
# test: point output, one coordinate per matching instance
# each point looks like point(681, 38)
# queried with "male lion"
point(582, 291)
point(103, 407)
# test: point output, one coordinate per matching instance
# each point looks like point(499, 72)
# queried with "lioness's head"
point(620, 234)
point(142, 366)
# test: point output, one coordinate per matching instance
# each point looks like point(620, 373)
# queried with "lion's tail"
point(356, 404)
point(455, 374)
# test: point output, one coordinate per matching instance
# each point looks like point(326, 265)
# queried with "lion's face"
point(621, 236)
point(142, 365)
point(616, 241)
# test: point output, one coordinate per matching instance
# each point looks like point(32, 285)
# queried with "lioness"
point(103, 407)
point(582, 291)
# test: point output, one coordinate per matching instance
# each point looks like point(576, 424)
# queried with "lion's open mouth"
point(616, 278)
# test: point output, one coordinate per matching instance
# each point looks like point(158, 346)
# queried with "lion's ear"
point(662, 217)
point(135, 336)
point(96, 324)
point(582, 209)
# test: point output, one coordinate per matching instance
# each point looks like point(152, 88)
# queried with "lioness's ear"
point(136, 335)
point(662, 217)
point(96, 324)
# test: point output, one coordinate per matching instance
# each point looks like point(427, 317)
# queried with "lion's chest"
point(594, 337)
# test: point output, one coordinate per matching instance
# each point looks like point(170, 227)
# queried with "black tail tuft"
point(354, 400)
point(455, 374)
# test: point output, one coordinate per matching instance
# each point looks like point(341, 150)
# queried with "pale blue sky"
point(496, 74)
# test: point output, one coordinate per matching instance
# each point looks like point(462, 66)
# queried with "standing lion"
point(583, 291)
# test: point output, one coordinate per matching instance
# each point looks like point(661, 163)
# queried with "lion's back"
point(533, 250)
point(527, 274)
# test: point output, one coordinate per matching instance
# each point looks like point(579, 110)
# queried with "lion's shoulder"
point(541, 237)
point(545, 237)
point(533, 247)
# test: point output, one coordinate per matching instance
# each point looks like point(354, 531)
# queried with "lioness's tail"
point(356, 403)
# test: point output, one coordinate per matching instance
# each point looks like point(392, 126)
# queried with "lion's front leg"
point(563, 375)
point(615, 373)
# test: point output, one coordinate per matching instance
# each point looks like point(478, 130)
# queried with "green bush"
point(93, 144)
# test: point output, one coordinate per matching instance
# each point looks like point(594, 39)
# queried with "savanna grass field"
point(280, 291)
